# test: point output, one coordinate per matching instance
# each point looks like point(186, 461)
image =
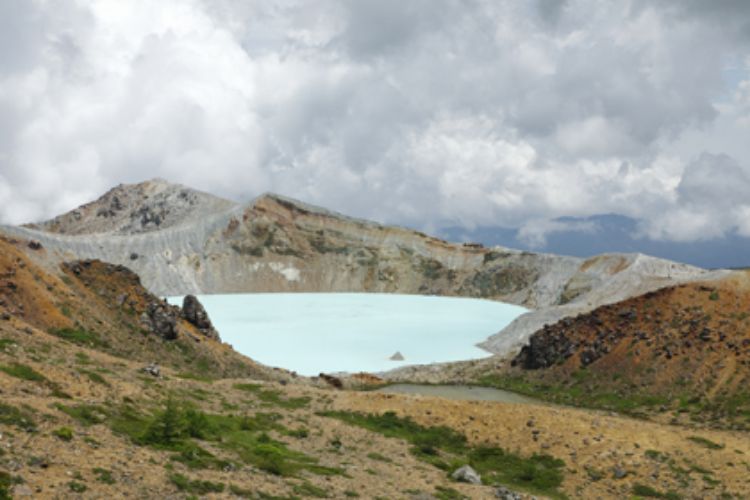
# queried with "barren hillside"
point(275, 244)
point(85, 414)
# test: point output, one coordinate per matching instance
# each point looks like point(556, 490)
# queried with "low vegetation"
point(21, 419)
point(79, 336)
point(707, 443)
point(196, 486)
point(581, 391)
point(273, 398)
point(447, 449)
point(23, 372)
point(179, 427)
point(642, 490)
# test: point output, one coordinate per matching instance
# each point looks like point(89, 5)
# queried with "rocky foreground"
point(108, 391)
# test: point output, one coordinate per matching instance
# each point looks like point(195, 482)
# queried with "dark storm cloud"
point(421, 112)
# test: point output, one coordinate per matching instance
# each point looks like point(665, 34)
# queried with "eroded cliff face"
point(276, 244)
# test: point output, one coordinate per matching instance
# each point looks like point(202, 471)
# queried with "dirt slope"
point(79, 418)
point(684, 348)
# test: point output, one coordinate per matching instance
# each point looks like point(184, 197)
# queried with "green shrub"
point(103, 475)
point(77, 487)
point(64, 433)
point(167, 427)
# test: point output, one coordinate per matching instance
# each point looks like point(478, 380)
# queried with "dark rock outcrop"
point(545, 348)
point(161, 318)
point(194, 313)
point(332, 381)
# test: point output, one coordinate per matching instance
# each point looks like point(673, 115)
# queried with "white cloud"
point(482, 112)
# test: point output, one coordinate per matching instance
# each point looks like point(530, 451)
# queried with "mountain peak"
point(137, 208)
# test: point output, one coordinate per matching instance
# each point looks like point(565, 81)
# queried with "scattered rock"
point(397, 356)
point(5, 316)
point(467, 474)
point(34, 245)
point(152, 369)
point(619, 472)
point(507, 494)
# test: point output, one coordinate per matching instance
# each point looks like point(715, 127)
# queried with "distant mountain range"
point(611, 233)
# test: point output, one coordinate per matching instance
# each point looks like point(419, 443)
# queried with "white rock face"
point(203, 244)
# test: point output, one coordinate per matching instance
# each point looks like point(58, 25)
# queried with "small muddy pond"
point(460, 392)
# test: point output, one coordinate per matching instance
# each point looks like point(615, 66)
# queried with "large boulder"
point(467, 474)
point(194, 313)
point(161, 318)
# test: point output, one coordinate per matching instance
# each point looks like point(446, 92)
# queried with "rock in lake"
point(397, 356)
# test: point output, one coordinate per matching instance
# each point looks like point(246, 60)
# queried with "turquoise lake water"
point(350, 332)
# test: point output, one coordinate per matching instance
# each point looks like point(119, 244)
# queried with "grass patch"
point(273, 397)
point(103, 475)
point(178, 427)
point(95, 377)
point(447, 449)
point(309, 490)
point(445, 493)
point(643, 490)
point(77, 487)
point(6, 483)
point(64, 433)
point(195, 376)
point(378, 457)
point(82, 358)
point(79, 336)
point(6, 344)
point(656, 455)
point(10, 415)
point(196, 486)
point(706, 443)
point(582, 392)
point(24, 372)
point(86, 415)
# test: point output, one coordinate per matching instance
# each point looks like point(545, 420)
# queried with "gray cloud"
point(421, 112)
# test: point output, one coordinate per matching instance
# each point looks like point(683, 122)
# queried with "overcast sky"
point(420, 112)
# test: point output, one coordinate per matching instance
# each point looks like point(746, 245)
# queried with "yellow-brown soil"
point(595, 446)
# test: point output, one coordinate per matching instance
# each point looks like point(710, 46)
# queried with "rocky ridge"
point(275, 244)
point(133, 209)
